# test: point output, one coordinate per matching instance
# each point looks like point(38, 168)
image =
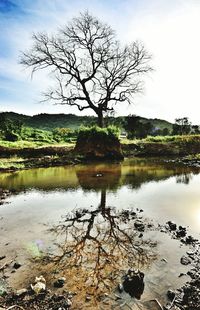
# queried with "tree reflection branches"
point(100, 243)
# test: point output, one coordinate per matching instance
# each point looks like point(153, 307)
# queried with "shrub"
point(11, 136)
point(95, 132)
point(64, 134)
point(31, 134)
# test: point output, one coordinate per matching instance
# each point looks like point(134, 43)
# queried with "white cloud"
point(174, 41)
point(169, 30)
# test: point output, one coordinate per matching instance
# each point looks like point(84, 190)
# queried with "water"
point(164, 192)
point(44, 197)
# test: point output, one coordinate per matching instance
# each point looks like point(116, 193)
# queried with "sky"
point(169, 30)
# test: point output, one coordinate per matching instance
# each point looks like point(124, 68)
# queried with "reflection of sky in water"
point(164, 193)
point(164, 200)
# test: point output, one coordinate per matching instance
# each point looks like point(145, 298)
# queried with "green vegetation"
point(110, 132)
point(49, 122)
point(17, 162)
point(64, 135)
point(9, 129)
point(176, 138)
point(17, 137)
point(162, 146)
point(163, 139)
point(32, 144)
point(136, 128)
point(193, 157)
point(13, 162)
point(15, 132)
point(99, 143)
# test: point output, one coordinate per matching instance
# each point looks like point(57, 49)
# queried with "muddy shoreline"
point(55, 295)
point(27, 158)
point(51, 161)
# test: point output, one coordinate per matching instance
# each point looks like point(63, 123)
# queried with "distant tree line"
point(12, 129)
point(138, 128)
point(183, 126)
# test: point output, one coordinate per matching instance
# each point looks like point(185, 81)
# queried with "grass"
point(166, 139)
point(163, 139)
point(193, 157)
point(32, 144)
point(12, 162)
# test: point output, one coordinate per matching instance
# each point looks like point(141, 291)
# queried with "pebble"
point(21, 292)
point(172, 225)
point(171, 294)
point(185, 260)
point(59, 282)
point(16, 265)
point(139, 225)
point(87, 298)
point(120, 287)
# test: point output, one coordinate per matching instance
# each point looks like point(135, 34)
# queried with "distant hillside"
point(158, 123)
point(51, 121)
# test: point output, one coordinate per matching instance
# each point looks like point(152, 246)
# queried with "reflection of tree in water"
point(184, 178)
point(99, 244)
point(99, 177)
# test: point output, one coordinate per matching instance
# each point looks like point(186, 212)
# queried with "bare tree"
point(92, 69)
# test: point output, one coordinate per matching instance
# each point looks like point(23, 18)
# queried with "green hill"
point(51, 121)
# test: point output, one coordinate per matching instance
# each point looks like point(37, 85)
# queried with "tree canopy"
point(92, 69)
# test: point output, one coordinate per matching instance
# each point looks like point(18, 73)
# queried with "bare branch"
point(92, 70)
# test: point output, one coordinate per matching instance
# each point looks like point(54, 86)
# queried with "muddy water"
point(45, 196)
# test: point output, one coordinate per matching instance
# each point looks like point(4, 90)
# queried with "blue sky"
point(168, 28)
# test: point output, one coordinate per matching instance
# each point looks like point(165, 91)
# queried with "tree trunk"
point(103, 199)
point(100, 119)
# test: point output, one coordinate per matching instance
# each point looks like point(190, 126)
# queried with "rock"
point(172, 226)
point(185, 260)
point(117, 297)
point(134, 283)
point(139, 225)
point(58, 297)
point(190, 240)
point(181, 232)
point(17, 265)
point(40, 285)
point(65, 304)
point(99, 175)
point(171, 294)
point(191, 254)
point(87, 298)
point(181, 274)
point(59, 282)
point(21, 292)
point(120, 287)
point(68, 302)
